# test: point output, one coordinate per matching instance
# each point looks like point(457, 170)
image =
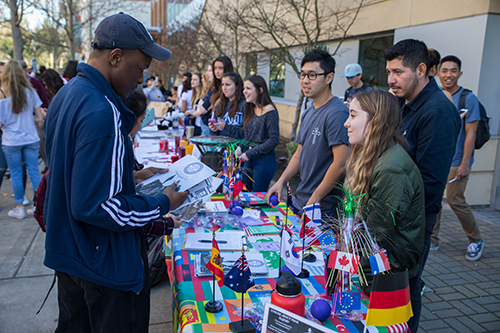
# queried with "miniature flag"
point(225, 182)
point(390, 300)
point(312, 224)
point(234, 278)
point(313, 213)
point(327, 241)
point(238, 184)
point(344, 261)
point(215, 263)
point(289, 202)
point(347, 301)
point(379, 262)
point(289, 254)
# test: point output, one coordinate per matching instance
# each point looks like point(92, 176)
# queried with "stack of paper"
point(189, 174)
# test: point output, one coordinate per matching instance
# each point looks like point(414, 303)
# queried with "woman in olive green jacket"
point(380, 167)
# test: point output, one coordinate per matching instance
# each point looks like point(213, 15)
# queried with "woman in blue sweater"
point(229, 110)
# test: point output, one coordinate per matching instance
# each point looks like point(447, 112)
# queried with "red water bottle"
point(288, 294)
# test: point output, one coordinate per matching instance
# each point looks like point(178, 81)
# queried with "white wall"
point(489, 84)
point(348, 53)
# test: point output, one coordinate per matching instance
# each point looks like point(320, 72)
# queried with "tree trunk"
point(298, 111)
point(17, 38)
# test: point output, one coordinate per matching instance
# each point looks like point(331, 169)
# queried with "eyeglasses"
point(311, 76)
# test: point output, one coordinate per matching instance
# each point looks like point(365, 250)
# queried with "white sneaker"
point(31, 210)
point(26, 202)
point(17, 213)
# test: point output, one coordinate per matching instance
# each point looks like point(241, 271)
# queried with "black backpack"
point(483, 127)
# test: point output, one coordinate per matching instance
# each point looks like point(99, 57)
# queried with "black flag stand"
point(213, 306)
point(244, 325)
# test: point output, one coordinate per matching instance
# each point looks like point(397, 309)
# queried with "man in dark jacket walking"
point(431, 125)
point(94, 219)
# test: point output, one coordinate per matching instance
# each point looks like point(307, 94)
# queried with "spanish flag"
point(215, 263)
point(390, 300)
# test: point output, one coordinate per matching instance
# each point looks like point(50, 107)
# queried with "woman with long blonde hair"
point(20, 140)
point(380, 167)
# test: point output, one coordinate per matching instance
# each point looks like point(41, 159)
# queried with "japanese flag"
point(344, 261)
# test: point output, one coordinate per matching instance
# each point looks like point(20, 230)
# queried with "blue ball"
point(237, 210)
point(233, 204)
point(273, 200)
point(321, 309)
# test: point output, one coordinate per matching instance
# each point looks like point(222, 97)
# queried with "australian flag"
point(238, 274)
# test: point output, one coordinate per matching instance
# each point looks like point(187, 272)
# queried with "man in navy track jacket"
point(93, 217)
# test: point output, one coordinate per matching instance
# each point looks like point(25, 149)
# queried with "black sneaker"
point(474, 250)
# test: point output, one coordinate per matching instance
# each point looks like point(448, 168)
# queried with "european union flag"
point(240, 273)
point(347, 301)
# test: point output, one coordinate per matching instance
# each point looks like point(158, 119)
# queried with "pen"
point(451, 181)
point(210, 241)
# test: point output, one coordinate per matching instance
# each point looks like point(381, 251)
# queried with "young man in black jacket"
point(431, 125)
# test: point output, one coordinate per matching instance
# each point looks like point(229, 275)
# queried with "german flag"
point(215, 263)
point(390, 300)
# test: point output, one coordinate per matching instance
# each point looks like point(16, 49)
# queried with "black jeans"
point(85, 306)
point(415, 288)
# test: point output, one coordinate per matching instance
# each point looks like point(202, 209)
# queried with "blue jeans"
point(205, 130)
point(15, 155)
point(261, 170)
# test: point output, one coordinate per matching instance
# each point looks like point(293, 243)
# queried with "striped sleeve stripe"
point(117, 155)
point(112, 205)
point(131, 218)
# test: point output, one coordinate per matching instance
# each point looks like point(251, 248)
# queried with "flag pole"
point(304, 273)
point(242, 285)
point(213, 306)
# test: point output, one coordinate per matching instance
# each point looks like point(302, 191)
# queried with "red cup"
point(163, 145)
point(177, 142)
point(182, 152)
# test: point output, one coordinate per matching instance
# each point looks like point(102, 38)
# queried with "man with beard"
point(431, 125)
point(323, 142)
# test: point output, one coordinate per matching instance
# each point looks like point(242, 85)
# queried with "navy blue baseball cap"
point(125, 32)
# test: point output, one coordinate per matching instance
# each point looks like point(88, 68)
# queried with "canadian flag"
point(344, 261)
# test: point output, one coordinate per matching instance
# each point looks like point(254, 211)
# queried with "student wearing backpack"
point(449, 73)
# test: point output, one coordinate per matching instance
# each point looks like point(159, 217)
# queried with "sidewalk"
point(24, 280)
point(461, 296)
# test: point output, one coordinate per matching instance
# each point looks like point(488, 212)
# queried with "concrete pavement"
point(461, 296)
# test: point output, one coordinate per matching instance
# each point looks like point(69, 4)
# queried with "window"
point(277, 77)
point(372, 60)
point(251, 64)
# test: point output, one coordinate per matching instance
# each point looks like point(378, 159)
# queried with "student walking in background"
point(20, 140)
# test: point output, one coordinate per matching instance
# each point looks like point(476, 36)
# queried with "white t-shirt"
point(19, 129)
point(198, 118)
point(187, 96)
point(179, 93)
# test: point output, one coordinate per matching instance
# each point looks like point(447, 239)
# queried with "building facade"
point(468, 29)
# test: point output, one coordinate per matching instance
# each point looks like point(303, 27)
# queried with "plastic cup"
point(189, 149)
point(189, 131)
point(182, 152)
